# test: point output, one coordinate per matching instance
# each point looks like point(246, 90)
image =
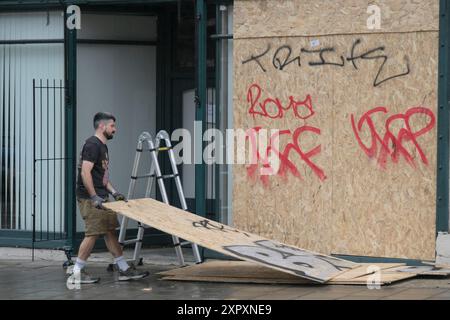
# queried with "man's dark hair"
point(102, 116)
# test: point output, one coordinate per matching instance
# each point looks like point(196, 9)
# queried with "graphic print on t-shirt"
point(105, 163)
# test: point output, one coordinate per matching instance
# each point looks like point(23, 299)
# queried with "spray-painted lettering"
point(273, 108)
point(285, 55)
point(261, 157)
point(389, 144)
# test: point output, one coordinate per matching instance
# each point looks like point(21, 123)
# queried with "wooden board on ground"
point(365, 270)
point(229, 269)
point(425, 271)
point(385, 279)
point(245, 269)
point(232, 242)
point(248, 272)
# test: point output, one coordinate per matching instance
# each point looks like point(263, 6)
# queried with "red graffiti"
point(391, 145)
point(273, 108)
point(285, 164)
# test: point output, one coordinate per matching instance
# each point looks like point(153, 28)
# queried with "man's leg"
point(84, 252)
point(113, 244)
point(86, 247)
point(78, 274)
point(92, 220)
point(125, 272)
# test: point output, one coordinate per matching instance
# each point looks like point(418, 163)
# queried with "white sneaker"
point(82, 277)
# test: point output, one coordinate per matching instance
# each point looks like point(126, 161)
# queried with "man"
point(93, 189)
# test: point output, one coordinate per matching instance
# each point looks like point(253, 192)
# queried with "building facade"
point(357, 91)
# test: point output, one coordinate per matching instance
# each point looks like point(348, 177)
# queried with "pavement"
point(45, 278)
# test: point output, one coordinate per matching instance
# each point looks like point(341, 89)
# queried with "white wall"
point(120, 79)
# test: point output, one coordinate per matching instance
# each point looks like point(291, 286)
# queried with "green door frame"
point(442, 191)
point(200, 114)
point(70, 58)
point(207, 253)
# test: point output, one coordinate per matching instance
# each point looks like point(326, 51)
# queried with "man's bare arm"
point(110, 188)
point(117, 195)
point(86, 176)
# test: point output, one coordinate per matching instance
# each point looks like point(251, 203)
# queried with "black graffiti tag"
point(283, 56)
point(256, 58)
point(322, 58)
point(207, 224)
point(280, 62)
point(384, 58)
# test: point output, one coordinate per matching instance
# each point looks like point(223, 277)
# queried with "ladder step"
point(127, 242)
point(164, 148)
point(144, 176)
point(181, 243)
point(155, 149)
point(164, 176)
point(168, 176)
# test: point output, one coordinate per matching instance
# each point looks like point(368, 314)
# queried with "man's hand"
point(119, 197)
point(98, 201)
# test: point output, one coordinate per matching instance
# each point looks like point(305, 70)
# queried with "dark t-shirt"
point(94, 150)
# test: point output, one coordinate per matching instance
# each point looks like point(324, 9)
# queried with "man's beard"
point(108, 136)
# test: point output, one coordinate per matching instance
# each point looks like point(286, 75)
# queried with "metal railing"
point(49, 161)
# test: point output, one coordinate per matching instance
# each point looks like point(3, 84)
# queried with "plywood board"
point(231, 269)
point(363, 281)
point(385, 202)
point(271, 18)
point(358, 114)
point(365, 270)
point(425, 271)
point(385, 279)
point(244, 269)
point(234, 269)
point(248, 272)
point(231, 241)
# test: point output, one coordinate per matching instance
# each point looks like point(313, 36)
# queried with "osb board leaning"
point(231, 241)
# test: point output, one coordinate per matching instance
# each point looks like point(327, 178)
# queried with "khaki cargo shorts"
point(97, 221)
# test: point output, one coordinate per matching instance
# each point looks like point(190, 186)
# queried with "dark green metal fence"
point(49, 161)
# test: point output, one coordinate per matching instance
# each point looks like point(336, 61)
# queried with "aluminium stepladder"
point(155, 172)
